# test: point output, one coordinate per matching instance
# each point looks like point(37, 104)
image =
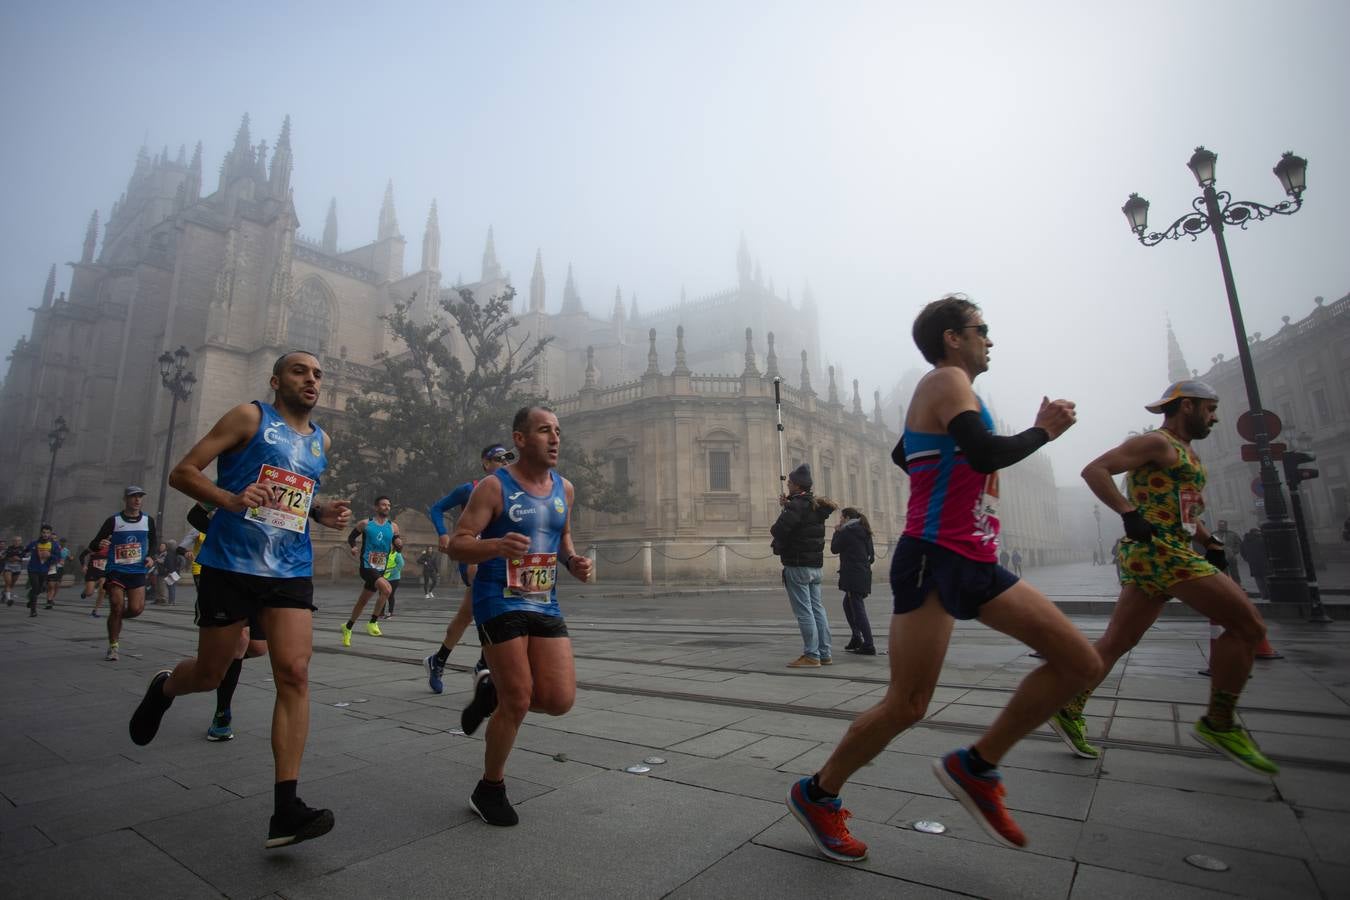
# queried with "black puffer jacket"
point(799, 533)
point(856, 555)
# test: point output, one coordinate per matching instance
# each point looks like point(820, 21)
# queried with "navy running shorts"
point(963, 585)
point(128, 581)
point(521, 623)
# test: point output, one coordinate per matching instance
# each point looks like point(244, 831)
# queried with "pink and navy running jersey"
point(950, 504)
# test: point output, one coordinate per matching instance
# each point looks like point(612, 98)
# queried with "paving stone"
point(1209, 774)
point(1158, 855)
point(942, 861)
point(1332, 878)
point(1314, 788)
point(121, 863)
point(1147, 731)
point(1139, 709)
point(1046, 835)
point(22, 841)
point(718, 743)
point(761, 872)
point(1329, 833)
point(772, 751)
point(1095, 883)
point(1287, 724)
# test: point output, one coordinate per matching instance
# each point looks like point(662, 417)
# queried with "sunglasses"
point(981, 329)
point(499, 457)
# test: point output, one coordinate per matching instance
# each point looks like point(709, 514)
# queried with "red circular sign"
point(1246, 425)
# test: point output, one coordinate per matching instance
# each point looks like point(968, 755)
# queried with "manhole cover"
point(1208, 863)
point(930, 827)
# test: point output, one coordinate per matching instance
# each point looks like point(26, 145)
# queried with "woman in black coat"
point(852, 542)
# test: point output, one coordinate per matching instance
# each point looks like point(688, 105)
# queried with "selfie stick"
point(778, 402)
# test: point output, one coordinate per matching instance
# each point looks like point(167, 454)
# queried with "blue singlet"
point(542, 520)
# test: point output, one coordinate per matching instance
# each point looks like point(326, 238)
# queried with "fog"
point(887, 153)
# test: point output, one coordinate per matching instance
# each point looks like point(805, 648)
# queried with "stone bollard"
point(721, 562)
point(647, 562)
point(594, 553)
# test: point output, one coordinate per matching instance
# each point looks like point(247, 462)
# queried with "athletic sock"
point(1074, 708)
point(815, 793)
point(442, 654)
point(225, 693)
point(374, 619)
point(283, 794)
point(1222, 705)
point(350, 624)
point(978, 765)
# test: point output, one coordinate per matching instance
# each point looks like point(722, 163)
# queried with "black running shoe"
point(483, 703)
point(145, 720)
point(489, 801)
point(298, 823)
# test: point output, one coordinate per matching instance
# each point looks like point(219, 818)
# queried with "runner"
point(56, 571)
point(429, 561)
point(126, 538)
point(42, 554)
point(95, 565)
point(1158, 560)
point(13, 567)
point(522, 515)
point(257, 561)
point(377, 537)
point(945, 567)
point(393, 574)
point(493, 457)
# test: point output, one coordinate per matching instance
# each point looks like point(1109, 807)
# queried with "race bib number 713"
point(532, 576)
point(292, 494)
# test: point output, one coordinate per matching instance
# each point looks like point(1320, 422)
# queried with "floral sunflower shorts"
point(1156, 566)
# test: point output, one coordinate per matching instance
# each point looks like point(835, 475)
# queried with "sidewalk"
point(697, 680)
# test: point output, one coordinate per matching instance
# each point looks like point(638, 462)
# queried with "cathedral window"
point(310, 319)
point(621, 473)
point(719, 470)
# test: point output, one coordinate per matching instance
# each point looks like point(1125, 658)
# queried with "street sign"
point(1246, 425)
point(1258, 488)
point(1249, 453)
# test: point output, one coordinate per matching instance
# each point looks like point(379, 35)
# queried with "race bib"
point(532, 577)
point(292, 496)
point(1192, 508)
point(377, 560)
point(126, 554)
point(100, 564)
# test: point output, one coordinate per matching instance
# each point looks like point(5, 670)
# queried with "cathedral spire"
point(806, 376)
point(876, 408)
point(681, 363)
point(330, 228)
point(750, 367)
point(1177, 370)
point(617, 314)
point(743, 262)
point(653, 367)
point(571, 302)
point(431, 242)
point(181, 158)
point(192, 186)
point(590, 369)
point(90, 239)
point(857, 398)
point(49, 289)
point(282, 163)
point(239, 161)
point(388, 220)
point(833, 395)
point(771, 360)
point(632, 309)
point(537, 282)
point(492, 270)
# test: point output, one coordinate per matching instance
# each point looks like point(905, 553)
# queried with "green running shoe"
point(1073, 732)
point(1235, 744)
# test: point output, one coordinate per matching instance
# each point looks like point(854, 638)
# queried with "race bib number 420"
point(126, 554)
point(532, 576)
point(292, 494)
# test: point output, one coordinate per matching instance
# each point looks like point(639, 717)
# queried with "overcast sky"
point(886, 152)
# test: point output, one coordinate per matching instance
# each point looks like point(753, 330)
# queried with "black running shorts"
point(225, 597)
point(370, 576)
point(521, 623)
point(128, 581)
point(963, 585)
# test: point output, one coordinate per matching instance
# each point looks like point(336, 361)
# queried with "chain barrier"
point(684, 558)
point(617, 562)
point(743, 556)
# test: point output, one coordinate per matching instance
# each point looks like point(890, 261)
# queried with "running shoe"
point(826, 823)
point(220, 729)
point(373, 629)
point(145, 720)
point(981, 795)
point(298, 823)
point(111, 655)
point(94, 613)
point(489, 801)
point(1073, 732)
point(435, 669)
point(483, 703)
point(50, 606)
point(1237, 745)
point(346, 635)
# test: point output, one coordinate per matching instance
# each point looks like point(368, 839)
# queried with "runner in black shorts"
point(258, 562)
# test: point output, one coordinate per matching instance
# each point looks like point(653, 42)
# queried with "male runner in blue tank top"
point(377, 535)
point(257, 560)
point(126, 538)
point(516, 527)
point(945, 567)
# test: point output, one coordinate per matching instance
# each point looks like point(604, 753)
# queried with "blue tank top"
point(129, 544)
point(376, 542)
point(542, 520)
point(272, 541)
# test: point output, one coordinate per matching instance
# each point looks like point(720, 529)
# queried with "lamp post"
point(1213, 210)
point(174, 373)
point(55, 439)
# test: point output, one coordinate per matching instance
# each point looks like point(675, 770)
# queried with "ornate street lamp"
point(175, 375)
point(56, 438)
point(1212, 210)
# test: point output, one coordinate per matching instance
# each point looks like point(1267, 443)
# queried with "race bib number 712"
point(292, 494)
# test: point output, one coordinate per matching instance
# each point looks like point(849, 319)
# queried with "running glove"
point(1137, 528)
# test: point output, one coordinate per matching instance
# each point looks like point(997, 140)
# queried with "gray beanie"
point(801, 476)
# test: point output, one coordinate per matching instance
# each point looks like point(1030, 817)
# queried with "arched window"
point(310, 319)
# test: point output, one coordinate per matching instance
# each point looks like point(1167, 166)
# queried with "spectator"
point(852, 542)
point(1017, 563)
point(799, 542)
point(1253, 550)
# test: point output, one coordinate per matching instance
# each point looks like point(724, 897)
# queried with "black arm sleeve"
point(104, 533)
point(898, 455)
point(989, 452)
point(351, 538)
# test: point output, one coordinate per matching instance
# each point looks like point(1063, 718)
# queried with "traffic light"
point(1293, 475)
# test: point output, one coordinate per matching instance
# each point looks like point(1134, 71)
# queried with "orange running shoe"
point(824, 821)
point(981, 795)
